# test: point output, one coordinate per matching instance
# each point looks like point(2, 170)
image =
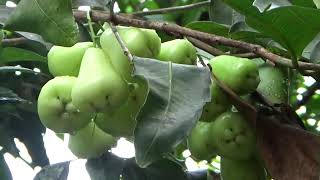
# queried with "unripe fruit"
point(219, 104)
point(240, 74)
point(241, 170)
point(90, 142)
point(198, 142)
point(63, 61)
point(273, 84)
point(140, 42)
point(55, 108)
point(98, 87)
point(179, 51)
point(121, 122)
point(232, 136)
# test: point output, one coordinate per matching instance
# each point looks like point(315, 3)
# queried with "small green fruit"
point(122, 121)
point(198, 142)
point(140, 42)
point(240, 74)
point(65, 61)
point(179, 51)
point(219, 104)
point(99, 87)
point(241, 170)
point(232, 136)
point(55, 108)
point(90, 142)
point(273, 84)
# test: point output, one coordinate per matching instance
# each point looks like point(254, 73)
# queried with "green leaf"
point(291, 26)
point(58, 171)
point(174, 104)
point(5, 173)
point(53, 20)
point(12, 54)
point(221, 13)
point(210, 27)
point(264, 5)
point(107, 166)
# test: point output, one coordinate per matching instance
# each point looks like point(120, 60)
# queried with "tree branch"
point(202, 36)
point(14, 41)
point(171, 9)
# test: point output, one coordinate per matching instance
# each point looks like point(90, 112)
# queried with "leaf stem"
point(92, 34)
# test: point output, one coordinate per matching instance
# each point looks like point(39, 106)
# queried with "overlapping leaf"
point(174, 104)
point(53, 20)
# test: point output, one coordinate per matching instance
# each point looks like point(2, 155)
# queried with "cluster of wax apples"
point(222, 130)
point(93, 95)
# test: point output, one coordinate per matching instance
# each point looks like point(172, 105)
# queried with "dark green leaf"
point(305, 3)
point(210, 27)
point(58, 171)
point(5, 173)
point(35, 37)
point(173, 106)
point(265, 5)
point(12, 54)
point(221, 13)
point(53, 20)
point(163, 169)
point(291, 26)
point(107, 166)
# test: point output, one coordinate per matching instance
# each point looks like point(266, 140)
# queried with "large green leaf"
point(291, 26)
point(108, 166)
point(12, 54)
point(58, 171)
point(174, 104)
point(221, 13)
point(53, 20)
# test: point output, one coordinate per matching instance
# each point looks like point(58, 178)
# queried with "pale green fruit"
point(198, 142)
point(99, 87)
point(219, 103)
point(140, 43)
point(63, 61)
point(121, 122)
point(240, 74)
point(242, 170)
point(55, 108)
point(179, 51)
point(90, 142)
point(273, 84)
point(232, 136)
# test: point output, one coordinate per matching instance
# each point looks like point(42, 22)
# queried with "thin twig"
point(202, 36)
point(117, 35)
point(206, 47)
point(14, 41)
point(172, 9)
point(307, 95)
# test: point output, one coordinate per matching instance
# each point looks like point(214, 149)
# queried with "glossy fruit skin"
point(198, 142)
point(90, 142)
point(240, 74)
point(66, 61)
point(273, 84)
point(140, 42)
point(179, 51)
point(121, 122)
point(55, 108)
point(242, 169)
point(98, 87)
point(219, 103)
point(232, 136)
